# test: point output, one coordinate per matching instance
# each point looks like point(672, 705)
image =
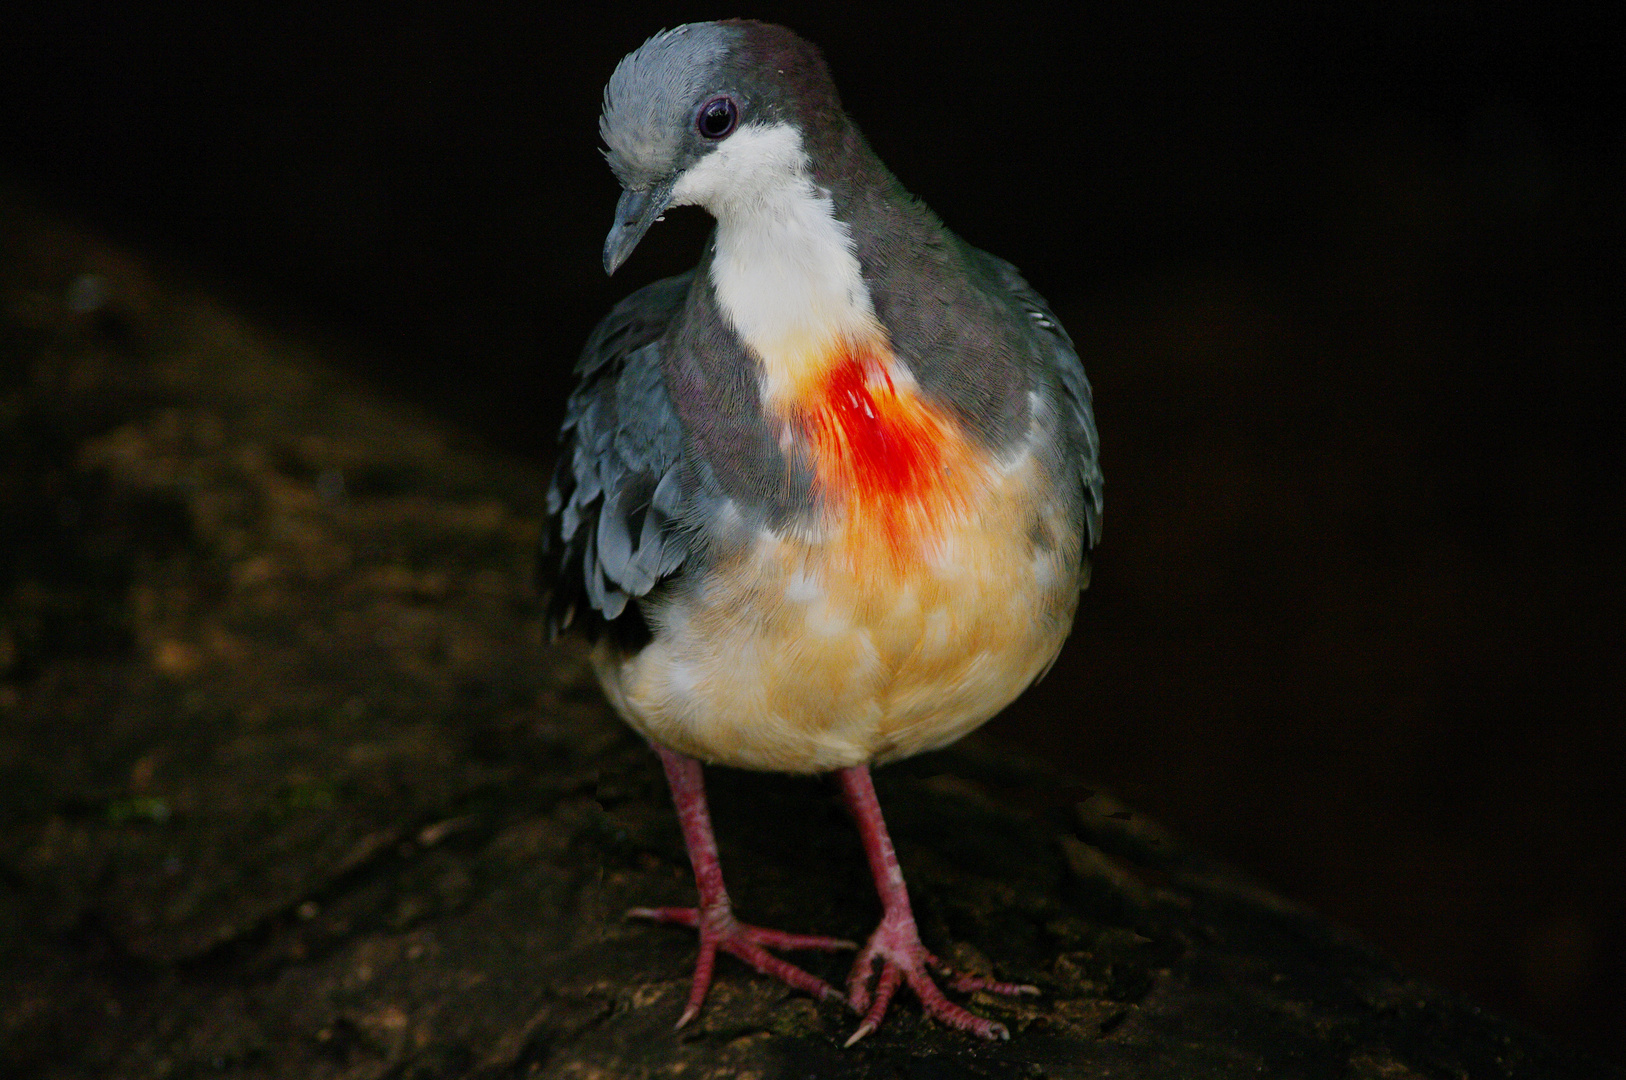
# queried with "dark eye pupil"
point(717, 118)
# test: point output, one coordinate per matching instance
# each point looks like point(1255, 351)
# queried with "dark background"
point(1348, 280)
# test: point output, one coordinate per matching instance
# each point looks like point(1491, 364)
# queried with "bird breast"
point(891, 472)
point(931, 584)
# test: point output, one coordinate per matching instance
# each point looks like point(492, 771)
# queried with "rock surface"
point(292, 786)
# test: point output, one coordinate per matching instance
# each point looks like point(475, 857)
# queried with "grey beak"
point(634, 214)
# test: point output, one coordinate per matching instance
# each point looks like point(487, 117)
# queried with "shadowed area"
point(1348, 283)
point(293, 787)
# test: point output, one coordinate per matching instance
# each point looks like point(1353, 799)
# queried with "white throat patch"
point(784, 272)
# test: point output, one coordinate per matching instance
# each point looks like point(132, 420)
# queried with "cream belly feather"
point(793, 660)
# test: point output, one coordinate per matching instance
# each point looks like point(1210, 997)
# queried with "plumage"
point(826, 500)
point(622, 448)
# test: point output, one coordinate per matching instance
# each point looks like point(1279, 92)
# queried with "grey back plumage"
point(1080, 449)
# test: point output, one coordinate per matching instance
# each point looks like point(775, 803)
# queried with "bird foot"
point(896, 946)
point(720, 931)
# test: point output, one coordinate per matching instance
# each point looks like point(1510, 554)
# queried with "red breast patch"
point(891, 462)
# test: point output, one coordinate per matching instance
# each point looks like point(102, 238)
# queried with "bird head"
point(710, 114)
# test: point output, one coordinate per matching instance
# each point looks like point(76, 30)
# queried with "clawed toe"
point(968, 984)
point(895, 945)
point(909, 967)
point(721, 932)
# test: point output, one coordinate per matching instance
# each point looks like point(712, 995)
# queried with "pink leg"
point(896, 942)
point(714, 918)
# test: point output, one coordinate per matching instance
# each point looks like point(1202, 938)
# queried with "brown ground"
point(293, 787)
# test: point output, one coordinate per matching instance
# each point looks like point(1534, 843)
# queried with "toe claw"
point(896, 946)
point(720, 931)
point(675, 916)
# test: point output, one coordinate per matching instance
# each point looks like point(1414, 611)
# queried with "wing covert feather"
point(615, 505)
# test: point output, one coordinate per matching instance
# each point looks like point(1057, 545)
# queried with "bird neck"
point(785, 273)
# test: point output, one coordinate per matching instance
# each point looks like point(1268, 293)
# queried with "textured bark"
point(291, 785)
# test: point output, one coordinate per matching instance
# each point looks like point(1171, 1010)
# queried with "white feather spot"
point(803, 588)
point(826, 619)
point(1044, 572)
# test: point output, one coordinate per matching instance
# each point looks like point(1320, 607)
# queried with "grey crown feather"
point(648, 98)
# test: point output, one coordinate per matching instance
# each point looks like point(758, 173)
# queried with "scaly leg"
point(714, 918)
point(896, 942)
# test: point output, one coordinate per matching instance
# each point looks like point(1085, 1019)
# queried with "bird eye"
point(717, 117)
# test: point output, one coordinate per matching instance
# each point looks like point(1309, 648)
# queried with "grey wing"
point(614, 505)
point(1079, 420)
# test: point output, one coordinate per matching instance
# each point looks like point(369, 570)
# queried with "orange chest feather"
point(891, 466)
